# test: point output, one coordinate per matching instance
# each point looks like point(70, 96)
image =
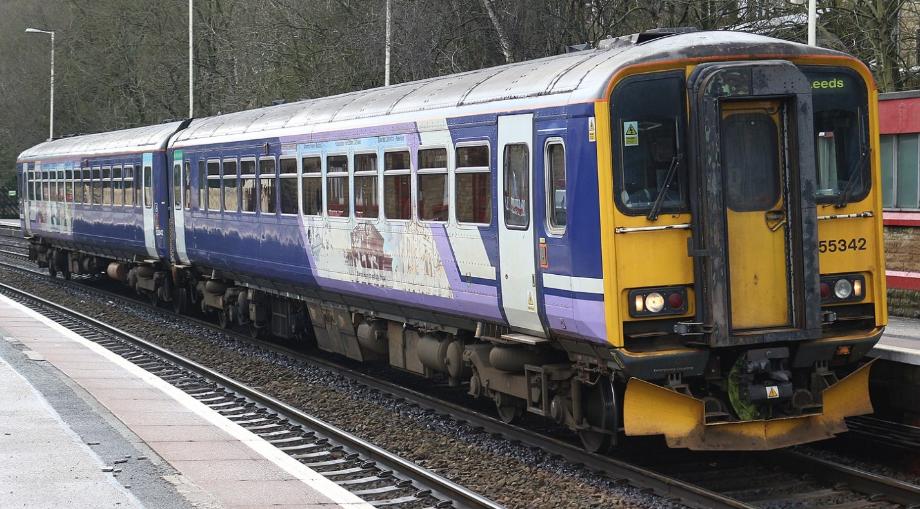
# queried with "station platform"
point(81, 427)
point(11, 222)
point(900, 342)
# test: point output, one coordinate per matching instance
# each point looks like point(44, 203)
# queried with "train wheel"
point(153, 299)
point(602, 413)
point(509, 408)
point(256, 332)
point(52, 268)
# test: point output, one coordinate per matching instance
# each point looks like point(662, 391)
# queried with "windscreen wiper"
point(672, 170)
point(855, 175)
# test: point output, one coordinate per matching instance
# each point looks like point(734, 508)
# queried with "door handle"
point(775, 219)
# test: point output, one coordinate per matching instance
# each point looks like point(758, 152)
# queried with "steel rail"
point(663, 485)
point(462, 496)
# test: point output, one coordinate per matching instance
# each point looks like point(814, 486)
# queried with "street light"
point(51, 117)
point(812, 19)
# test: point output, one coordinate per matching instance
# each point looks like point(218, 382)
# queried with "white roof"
point(139, 139)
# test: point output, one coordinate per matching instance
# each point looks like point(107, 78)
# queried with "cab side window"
point(649, 143)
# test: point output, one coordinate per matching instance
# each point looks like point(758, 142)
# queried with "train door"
point(178, 216)
point(755, 222)
point(25, 198)
point(145, 180)
point(515, 224)
point(754, 170)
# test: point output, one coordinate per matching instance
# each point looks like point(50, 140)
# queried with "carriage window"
point(148, 189)
point(177, 186)
point(106, 185)
point(366, 203)
point(556, 186)
point(267, 185)
point(118, 197)
point(202, 185)
point(248, 185)
point(473, 185)
point(68, 189)
point(60, 185)
point(128, 183)
point(841, 133)
point(648, 137)
point(188, 185)
point(44, 188)
point(397, 185)
point(337, 190)
point(517, 186)
point(231, 181)
point(750, 161)
point(87, 186)
point(312, 186)
point(213, 186)
point(288, 186)
point(433, 197)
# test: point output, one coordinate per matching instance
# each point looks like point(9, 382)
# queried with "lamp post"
point(812, 19)
point(386, 64)
point(51, 116)
point(191, 69)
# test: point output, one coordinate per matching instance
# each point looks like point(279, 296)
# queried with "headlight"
point(843, 289)
point(654, 302)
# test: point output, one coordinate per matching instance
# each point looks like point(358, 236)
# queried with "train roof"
point(138, 139)
point(559, 80)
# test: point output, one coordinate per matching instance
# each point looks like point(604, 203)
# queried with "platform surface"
point(900, 342)
point(11, 222)
point(139, 442)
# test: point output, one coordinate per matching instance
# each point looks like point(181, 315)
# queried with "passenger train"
point(677, 233)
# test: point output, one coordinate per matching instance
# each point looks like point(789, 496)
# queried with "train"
point(676, 233)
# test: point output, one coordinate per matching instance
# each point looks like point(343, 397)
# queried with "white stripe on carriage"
point(574, 284)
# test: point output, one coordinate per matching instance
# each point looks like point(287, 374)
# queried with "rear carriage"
point(670, 234)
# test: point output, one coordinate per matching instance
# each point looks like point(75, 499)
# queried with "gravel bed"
point(509, 473)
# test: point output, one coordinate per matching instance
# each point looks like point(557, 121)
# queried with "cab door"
point(515, 225)
point(754, 220)
point(754, 171)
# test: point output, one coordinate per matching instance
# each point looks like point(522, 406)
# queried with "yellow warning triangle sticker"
point(631, 131)
point(772, 392)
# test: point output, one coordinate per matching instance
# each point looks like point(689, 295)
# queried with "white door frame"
point(26, 200)
point(150, 240)
point(179, 210)
point(516, 245)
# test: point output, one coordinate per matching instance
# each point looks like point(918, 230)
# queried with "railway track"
point(780, 479)
point(381, 478)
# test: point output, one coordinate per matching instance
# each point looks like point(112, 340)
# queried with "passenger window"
point(45, 188)
point(555, 176)
point(202, 185)
point(517, 186)
point(648, 136)
point(337, 190)
point(148, 189)
point(750, 161)
point(473, 185)
point(128, 184)
point(177, 186)
point(433, 198)
point(288, 186)
point(87, 186)
point(68, 185)
point(59, 184)
point(397, 185)
point(248, 185)
point(118, 197)
point(366, 203)
point(267, 185)
point(106, 185)
point(213, 186)
point(312, 186)
point(188, 185)
point(231, 194)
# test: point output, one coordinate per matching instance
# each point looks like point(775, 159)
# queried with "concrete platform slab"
point(209, 460)
point(900, 342)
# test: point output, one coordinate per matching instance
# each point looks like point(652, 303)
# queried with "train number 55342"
point(835, 245)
